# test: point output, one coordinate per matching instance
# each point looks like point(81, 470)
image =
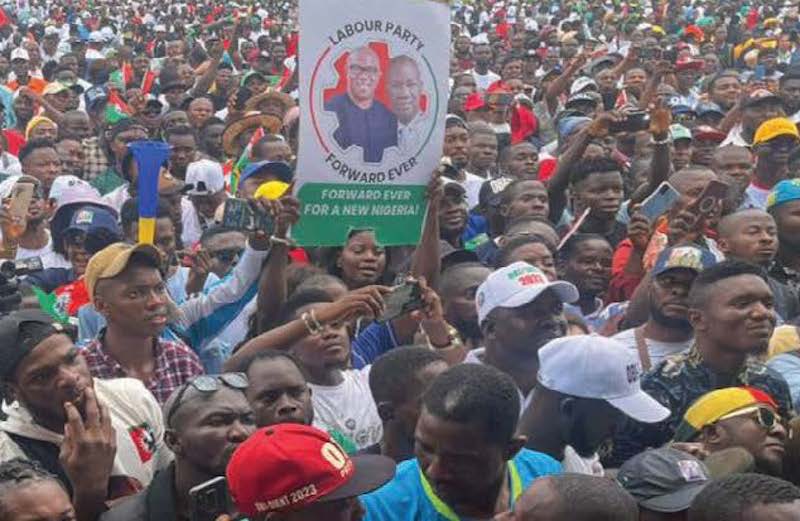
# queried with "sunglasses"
point(208, 383)
point(227, 255)
point(765, 416)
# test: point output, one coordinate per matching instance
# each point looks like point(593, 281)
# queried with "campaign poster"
point(373, 97)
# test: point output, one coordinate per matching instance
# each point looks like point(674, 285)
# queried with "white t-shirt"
point(50, 259)
point(756, 197)
point(348, 408)
point(482, 81)
point(658, 350)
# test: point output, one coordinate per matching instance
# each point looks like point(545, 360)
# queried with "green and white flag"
point(373, 87)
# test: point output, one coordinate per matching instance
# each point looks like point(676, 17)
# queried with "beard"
point(681, 324)
point(468, 329)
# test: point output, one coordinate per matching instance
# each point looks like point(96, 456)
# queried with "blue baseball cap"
point(282, 171)
point(89, 218)
point(684, 257)
point(784, 192)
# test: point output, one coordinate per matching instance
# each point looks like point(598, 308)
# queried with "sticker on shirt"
point(145, 440)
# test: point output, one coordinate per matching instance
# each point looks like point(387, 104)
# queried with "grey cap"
point(663, 480)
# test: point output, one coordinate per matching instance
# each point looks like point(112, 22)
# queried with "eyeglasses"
point(208, 383)
point(765, 416)
point(227, 255)
point(358, 69)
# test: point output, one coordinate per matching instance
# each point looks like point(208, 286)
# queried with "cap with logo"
point(286, 467)
point(663, 480)
point(91, 218)
point(678, 132)
point(204, 177)
point(491, 190)
point(711, 407)
point(14, 347)
point(112, 260)
point(516, 285)
point(683, 257)
point(596, 367)
point(773, 128)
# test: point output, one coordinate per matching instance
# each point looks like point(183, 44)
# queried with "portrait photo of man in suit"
point(363, 120)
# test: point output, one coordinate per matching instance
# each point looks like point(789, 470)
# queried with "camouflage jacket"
point(680, 380)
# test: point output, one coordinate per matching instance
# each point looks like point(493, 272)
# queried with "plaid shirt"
point(95, 161)
point(175, 363)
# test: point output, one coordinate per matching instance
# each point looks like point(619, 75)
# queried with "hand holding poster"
point(374, 82)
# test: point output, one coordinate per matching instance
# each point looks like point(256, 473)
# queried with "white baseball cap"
point(204, 177)
point(20, 54)
point(67, 182)
point(582, 83)
point(516, 285)
point(592, 366)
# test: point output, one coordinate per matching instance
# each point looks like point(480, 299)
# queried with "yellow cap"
point(271, 190)
point(112, 260)
point(775, 127)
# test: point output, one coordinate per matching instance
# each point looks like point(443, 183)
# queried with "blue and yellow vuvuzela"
point(149, 156)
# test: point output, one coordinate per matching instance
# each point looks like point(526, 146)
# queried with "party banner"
point(373, 97)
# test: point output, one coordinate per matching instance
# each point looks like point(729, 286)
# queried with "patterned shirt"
point(786, 275)
point(175, 363)
point(680, 380)
point(95, 161)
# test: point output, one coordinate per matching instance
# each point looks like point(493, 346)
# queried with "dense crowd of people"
point(600, 321)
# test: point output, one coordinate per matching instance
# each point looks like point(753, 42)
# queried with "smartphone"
point(660, 201)
point(403, 299)
point(634, 121)
point(707, 202)
point(21, 196)
point(239, 215)
point(209, 500)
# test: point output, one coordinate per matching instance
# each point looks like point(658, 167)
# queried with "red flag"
point(148, 81)
point(3, 18)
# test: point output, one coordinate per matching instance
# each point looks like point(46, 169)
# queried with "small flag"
point(148, 81)
point(244, 159)
point(116, 108)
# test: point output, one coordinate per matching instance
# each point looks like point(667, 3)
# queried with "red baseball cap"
point(288, 466)
point(707, 133)
point(474, 102)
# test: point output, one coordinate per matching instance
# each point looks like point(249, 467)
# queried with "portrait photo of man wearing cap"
point(743, 417)
point(205, 189)
point(586, 386)
point(773, 141)
point(664, 482)
point(519, 311)
point(53, 405)
point(667, 330)
point(324, 481)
